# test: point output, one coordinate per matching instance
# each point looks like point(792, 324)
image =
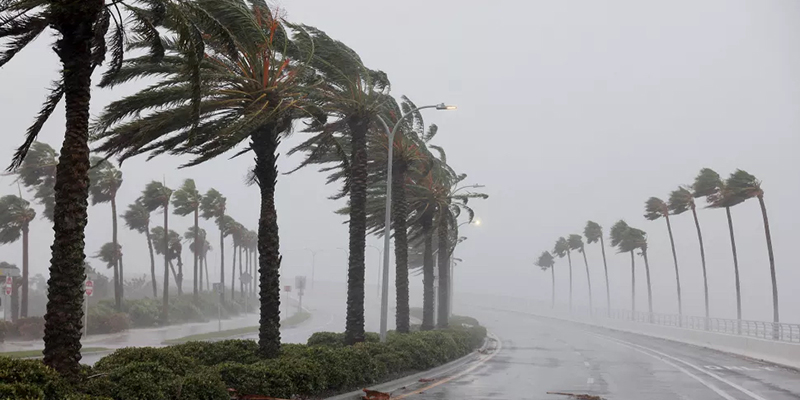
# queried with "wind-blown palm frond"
point(104, 180)
point(593, 232)
point(15, 215)
point(186, 199)
point(545, 261)
point(655, 208)
point(680, 200)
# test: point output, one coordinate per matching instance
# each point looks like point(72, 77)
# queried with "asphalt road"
point(538, 355)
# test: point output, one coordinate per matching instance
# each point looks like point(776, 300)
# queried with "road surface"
point(539, 355)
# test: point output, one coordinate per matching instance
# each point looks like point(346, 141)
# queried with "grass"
point(294, 320)
point(38, 353)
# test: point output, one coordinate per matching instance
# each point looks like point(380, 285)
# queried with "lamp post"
point(388, 220)
point(378, 279)
point(313, 263)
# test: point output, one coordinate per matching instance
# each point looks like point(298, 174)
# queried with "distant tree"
point(680, 201)
point(196, 237)
point(237, 232)
point(575, 242)
point(622, 240)
point(156, 195)
point(38, 174)
point(639, 239)
point(110, 254)
point(545, 262)
point(656, 208)
point(187, 200)
point(171, 253)
point(137, 218)
point(16, 215)
point(213, 206)
point(594, 233)
point(104, 182)
point(560, 250)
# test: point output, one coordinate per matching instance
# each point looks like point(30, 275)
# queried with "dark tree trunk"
point(775, 313)
point(569, 259)
point(241, 283)
point(735, 266)
point(16, 285)
point(400, 212)
point(165, 300)
point(444, 273)
point(221, 259)
point(427, 271)
point(117, 272)
point(605, 269)
point(152, 261)
point(233, 273)
point(64, 316)
point(208, 279)
point(649, 287)
point(25, 270)
point(354, 326)
point(553, 288)
point(120, 268)
point(196, 277)
point(588, 279)
point(179, 278)
point(702, 257)
point(265, 144)
point(675, 260)
point(633, 286)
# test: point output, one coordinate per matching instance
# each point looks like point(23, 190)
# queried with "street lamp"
point(380, 257)
point(388, 220)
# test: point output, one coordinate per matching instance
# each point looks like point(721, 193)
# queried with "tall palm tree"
point(16, 215)
point(213, 206)
point(656, 208)
point(137, 218)
point(639, 239)
point(187, 200)
point(111, 254)
point(156, 195)
point(104, 182)
point(594, 233)
point(561, 249)
point(172, 252)
point(254, 101)
point(38, 174)
point(680, 201)
point(744, 186)
point(708, 184)
point(621, 239)
point(237, 232)
point(197, 238)
point(575, 242)
point(545, 262)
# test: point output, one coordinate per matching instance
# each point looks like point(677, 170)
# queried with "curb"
point(436, 372)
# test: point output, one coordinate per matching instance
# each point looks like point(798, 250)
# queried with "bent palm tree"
point(545, 262)
point(680, 201)
point(622, 240)
point(104, 182)
point(187, 200)
point(171, 253)
point(137, 218)
point(16, 215)
point(656, 208)
point(155, 196)
point(575, 242)
point(594, 233)
point(213, 206)
point(638, 238)
point(197, 245)
point(561, 249)
point(38, 174)
point(111, 254)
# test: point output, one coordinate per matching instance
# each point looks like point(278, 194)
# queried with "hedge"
point(206, 370)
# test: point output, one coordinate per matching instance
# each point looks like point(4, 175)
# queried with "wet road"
point(539, 355)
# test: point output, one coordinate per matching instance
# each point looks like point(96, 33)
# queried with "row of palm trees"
point(719, 193)
point(232, 76)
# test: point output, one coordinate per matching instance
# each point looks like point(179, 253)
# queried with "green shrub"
point(213, 353)
point(31, 328)
point(20, 374)
point(137, 381)
point(329, 339)
point(182, 309)
point(20, 391)
point(256, 379)
point(166, 357)
point(306, 375)
point(205, 384)
point(143, 313)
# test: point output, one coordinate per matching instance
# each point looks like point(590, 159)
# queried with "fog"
point(568, 111)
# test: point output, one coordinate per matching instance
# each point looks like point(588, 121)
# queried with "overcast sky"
point(568, 111)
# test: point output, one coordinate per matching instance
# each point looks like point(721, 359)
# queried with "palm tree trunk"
point(16, 285)
point(702, 258)
point(179, 278)
point(354, 326)
point(241, 283)
point(775, 313)
point(208, 280)
point(588, 279)
point(265, 144)
point(444, 272)
point(152, 261)
point(735, 267)
point(167, 265)
point(25, 270)
point(400, 211)
point(633, 286)
point(605, 268)
point(649, 287)
point(675, 260)
point(569, 259)
point(553, 288)
point(117, 274)
point(196, 256)
point(233, 273)
point(121, 283)
point(221, 261)
point(427, 272)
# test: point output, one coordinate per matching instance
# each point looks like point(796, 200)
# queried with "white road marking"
point(590, 381)
point(586, 363)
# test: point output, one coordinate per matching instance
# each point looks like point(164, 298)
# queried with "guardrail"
point(782, 332)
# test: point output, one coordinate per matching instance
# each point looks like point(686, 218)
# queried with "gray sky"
point(568, 111)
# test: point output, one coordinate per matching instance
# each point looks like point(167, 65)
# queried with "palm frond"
point(50, 104)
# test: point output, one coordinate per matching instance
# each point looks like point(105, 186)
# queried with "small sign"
point(9, 285)
point(300, 282)
point(287, 288)
point(89, 287)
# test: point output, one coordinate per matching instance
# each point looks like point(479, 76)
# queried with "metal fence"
point(759, 329)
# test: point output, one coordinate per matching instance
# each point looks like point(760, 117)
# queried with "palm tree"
point(111, 254)
point(104, 182)
point(254, 101)
point(213, 206)
point(137, 218)
point(16, 215)
point(156, 195)
point(237, 231)
point(187, 200)
point(621, 239)
point(197, 238)
point(594, 233)
point(172, 252)
point(680, 201)
point(639, 239)
point(575, 242)
point(744, 186)
point(38, 174)
point(545, 262)
point(656, 208)
point(561, 249)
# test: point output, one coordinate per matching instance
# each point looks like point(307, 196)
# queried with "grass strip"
point(294, 320)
